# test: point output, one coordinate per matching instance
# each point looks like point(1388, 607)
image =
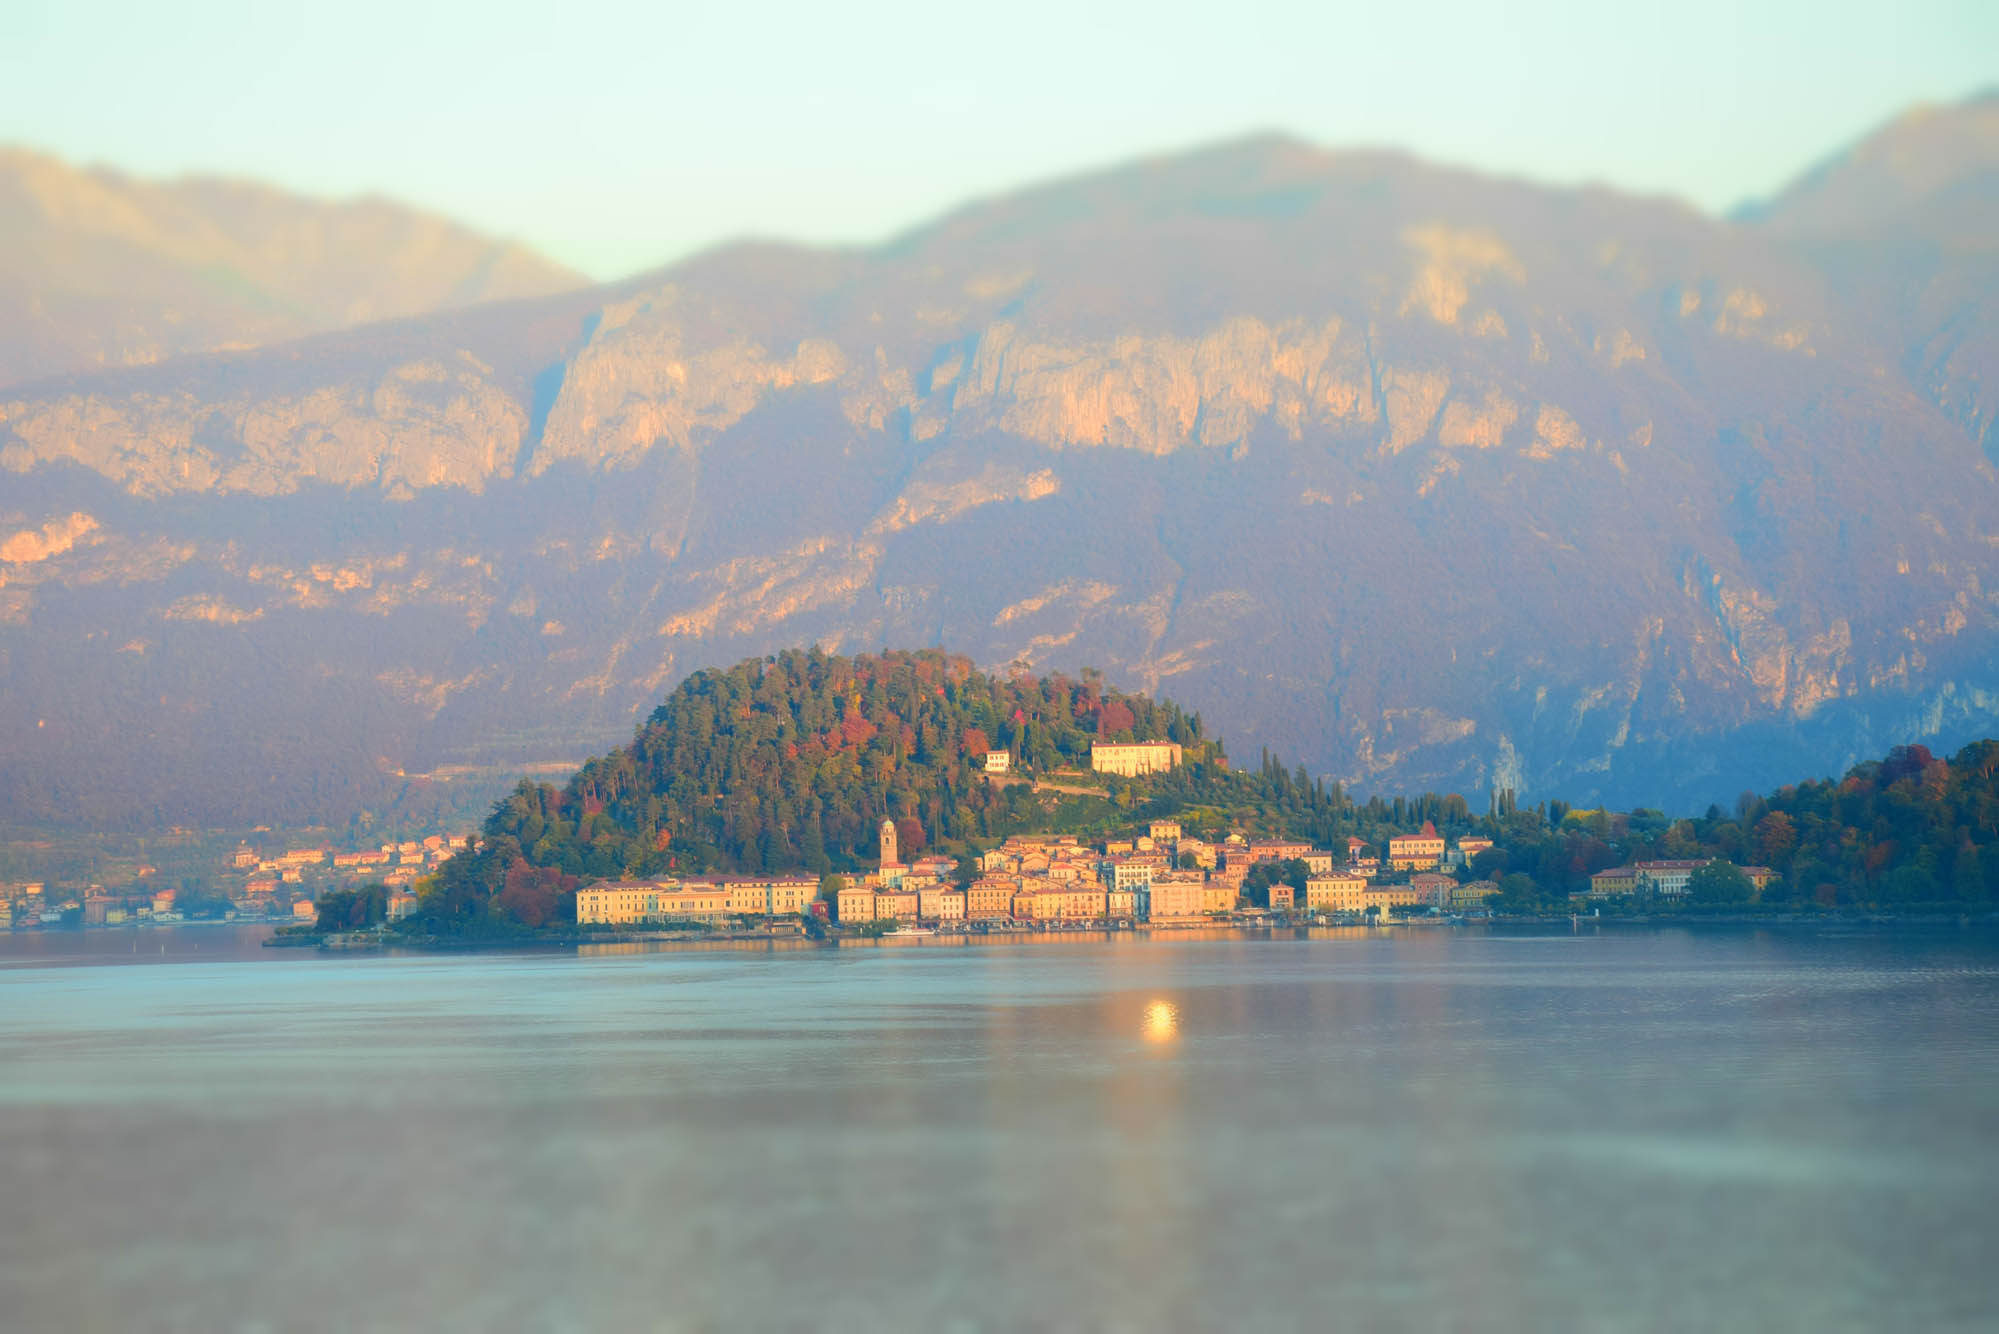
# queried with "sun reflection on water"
point(1162, 1021)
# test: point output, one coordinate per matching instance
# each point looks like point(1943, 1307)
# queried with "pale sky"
point(615, 137)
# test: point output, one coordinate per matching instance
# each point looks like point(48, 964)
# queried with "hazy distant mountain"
point(98, 269)
point(1905, 227)
point(1420, 477)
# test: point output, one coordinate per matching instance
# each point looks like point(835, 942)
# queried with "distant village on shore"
point(251, 886)
point(1160, 875)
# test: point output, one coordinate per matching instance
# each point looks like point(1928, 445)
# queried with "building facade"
point(1134, 759)
point(940, 904)
point(1336, 893)
point(1416, 852)
point(763, 896)
point(989, 898)
point(855, 904)
point(617, 902)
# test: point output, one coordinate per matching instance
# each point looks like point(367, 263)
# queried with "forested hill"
point(792, 762)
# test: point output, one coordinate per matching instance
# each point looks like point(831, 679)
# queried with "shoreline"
point(372, 941)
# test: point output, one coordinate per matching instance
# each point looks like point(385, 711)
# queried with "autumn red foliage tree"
point(533, 895)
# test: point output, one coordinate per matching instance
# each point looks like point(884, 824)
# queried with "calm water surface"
point(1422, 1130)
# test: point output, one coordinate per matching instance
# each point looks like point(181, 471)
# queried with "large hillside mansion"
point(1136, 758)
point(1665, 879)
point(1161, 876)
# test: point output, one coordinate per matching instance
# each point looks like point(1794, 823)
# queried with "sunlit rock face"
point(1421, 478)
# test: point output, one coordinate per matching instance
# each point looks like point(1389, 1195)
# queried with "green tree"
point(1967, 876)
point(1517, 893)
point(1719, 884)
point(352, 909)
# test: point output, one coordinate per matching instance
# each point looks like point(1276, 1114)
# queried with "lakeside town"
point(250, 885)
point(1160, 876)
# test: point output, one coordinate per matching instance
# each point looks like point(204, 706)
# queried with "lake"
point(1421, 1129)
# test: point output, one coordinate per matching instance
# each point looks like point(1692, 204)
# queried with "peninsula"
point(815, 793)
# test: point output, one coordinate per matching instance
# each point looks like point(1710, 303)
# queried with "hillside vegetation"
point(789, 764)
point(1911, 830)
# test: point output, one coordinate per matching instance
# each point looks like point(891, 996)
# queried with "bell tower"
point(888, 843)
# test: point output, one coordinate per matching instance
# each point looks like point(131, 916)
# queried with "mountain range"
point(1423, 478)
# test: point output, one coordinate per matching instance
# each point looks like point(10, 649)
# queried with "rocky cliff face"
point(1421, 478)
point(98, 269)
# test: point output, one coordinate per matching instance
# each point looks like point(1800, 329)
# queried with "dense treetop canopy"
point(792, 762)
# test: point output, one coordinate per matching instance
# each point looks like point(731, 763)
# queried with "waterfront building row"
point(638, 902)
point(1158, 876)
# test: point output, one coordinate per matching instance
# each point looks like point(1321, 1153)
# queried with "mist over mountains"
point(99, 269)
point(1424, 478)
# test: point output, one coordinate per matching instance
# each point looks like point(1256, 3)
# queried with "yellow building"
point(617, 902)
point(792, 896)
point(1474, 894)
point(1338, 892)
point(989, 898)
point(1614, 882)
point(1084, 903)
point(766, 897)
point(1121, 904)
point(1130, 761)
point(1667, 879)
point(1164, 831)
point(1068, 903)
point(746, 897)
point(896, 905)
point(1177, 895)
point(1277, 850)
point(856, 904)
point(941, 903)
point(1416, 852)
point(691, 901)
point(1385, 897)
